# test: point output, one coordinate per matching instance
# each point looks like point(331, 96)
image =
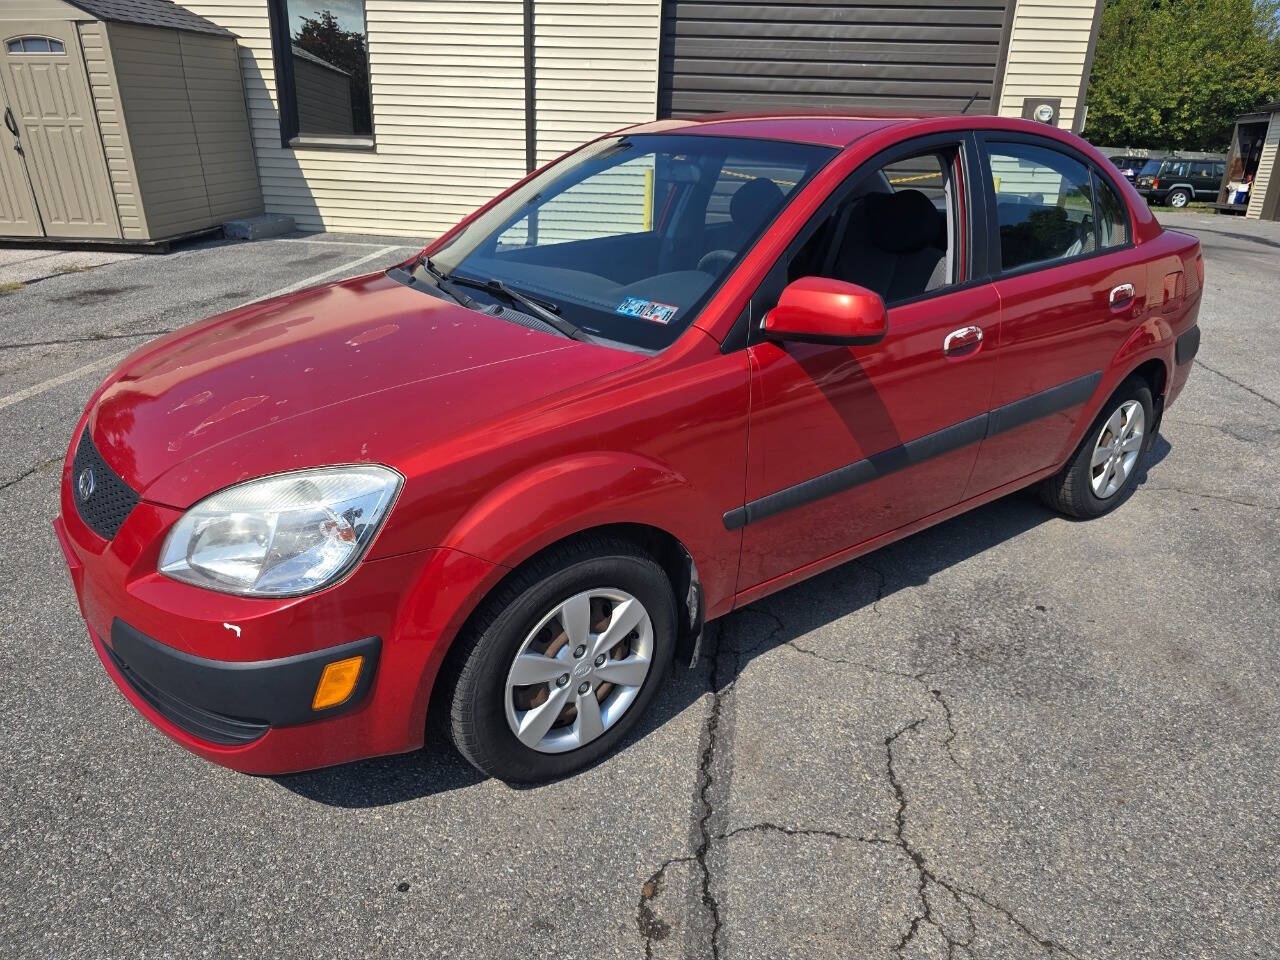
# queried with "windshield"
point(627, 238)
point(1151, 168)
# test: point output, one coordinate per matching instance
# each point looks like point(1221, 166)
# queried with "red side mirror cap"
point(818, 310)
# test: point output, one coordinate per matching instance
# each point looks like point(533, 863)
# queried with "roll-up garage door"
point(907, 55)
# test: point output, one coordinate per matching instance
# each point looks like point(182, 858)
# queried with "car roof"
point(831, 129)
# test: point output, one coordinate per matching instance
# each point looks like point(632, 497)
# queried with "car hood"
point(361, 370)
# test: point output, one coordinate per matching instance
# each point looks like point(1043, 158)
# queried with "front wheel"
point(1178, 198)
point(561, 661)
point(1104, 468)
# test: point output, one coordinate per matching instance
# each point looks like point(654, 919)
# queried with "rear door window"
point(1044, 204)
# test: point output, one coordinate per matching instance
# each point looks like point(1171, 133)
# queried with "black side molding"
point(265, 692)
point(1042, 404)
point(1187, 346)
point(913, 452)
point(861, 471)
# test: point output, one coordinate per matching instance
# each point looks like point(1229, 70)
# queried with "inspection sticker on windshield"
point(647, 309)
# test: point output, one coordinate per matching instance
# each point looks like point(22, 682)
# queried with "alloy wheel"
point(1178, 199)
point(579, 670)
point(1115, 454)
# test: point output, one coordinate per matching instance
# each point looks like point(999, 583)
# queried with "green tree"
point(322, 36)
point(1174, 74)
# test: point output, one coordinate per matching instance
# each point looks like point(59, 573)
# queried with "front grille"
point(110, 500)
point(204, 724)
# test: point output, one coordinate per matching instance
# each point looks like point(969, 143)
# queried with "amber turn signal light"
point(337, 682)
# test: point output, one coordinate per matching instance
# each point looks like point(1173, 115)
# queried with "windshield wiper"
point(544, 310)
point(443, 281)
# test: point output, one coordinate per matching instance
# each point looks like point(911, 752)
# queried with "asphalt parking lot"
point(1009, 736)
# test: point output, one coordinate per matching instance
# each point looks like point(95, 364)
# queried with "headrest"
point(753, 201)
point(903, 222)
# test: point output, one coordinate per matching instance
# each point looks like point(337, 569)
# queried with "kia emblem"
point(85, 483)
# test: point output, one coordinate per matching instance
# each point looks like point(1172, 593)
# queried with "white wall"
point(1047, 52)
point(447, 80)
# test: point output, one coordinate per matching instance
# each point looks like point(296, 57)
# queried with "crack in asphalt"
point(93, 338)
point(652, 928)
point(1208, 496)
point(1221, 428)
point(1245, 387)
point(43, 465)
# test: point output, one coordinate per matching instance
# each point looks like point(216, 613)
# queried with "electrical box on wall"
point(1043, 109)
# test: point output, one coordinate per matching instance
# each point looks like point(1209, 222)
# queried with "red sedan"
point(680, 368)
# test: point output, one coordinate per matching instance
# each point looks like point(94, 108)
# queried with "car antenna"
point(970, 103)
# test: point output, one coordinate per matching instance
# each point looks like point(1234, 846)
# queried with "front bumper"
point(232, 703)
point(232, 678)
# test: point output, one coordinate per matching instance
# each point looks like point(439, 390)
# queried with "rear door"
point(1205, 178)
point(47, 91)
point(1071, 286)
point(850, 443)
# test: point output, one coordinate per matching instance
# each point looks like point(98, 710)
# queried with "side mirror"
point(818, 310)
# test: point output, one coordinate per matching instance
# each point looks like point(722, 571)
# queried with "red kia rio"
point(676, 370)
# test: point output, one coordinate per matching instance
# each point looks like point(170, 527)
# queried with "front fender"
point(541, 506)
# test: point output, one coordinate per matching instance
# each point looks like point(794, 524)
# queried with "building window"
point(322, 72)
point(35, 45)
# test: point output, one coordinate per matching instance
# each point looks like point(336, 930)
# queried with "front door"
point(46, 89)
point(18, 216)
point(849, 443)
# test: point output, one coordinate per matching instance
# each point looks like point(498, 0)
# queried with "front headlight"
point(281, 536)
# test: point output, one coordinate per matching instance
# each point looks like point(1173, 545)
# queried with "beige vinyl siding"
point(115, 136)
point(1047, 51)
point(1266, 169)
point(211, 69)
point(447, 82)
point(154, 93)
point(596, 69)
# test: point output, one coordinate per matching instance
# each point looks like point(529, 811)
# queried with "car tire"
point(1105, 467)
point(1178, 198)
point(526, 618)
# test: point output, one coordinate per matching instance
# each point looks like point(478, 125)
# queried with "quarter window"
point(1044, 205)
point(35, 45)
point(1113, 215)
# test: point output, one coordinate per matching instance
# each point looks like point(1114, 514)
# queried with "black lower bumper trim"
point(233, 702)
point(1187, 346)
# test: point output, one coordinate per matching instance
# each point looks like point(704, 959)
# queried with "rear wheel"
point(561, 662)
point(1178, 198)
point(1104, 469)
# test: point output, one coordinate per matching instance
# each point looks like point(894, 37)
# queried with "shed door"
point(720, 55)
point(46, 88)
point(18, 217)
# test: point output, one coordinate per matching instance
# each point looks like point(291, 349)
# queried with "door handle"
point(963, 339)
point(9, 122)
point(1122, 294)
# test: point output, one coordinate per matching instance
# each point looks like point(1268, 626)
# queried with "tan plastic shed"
point(124, 121)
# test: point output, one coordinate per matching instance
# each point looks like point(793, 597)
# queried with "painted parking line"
point(316, 278)
point(337, 243)
point(76, 374)
point(83, 371)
